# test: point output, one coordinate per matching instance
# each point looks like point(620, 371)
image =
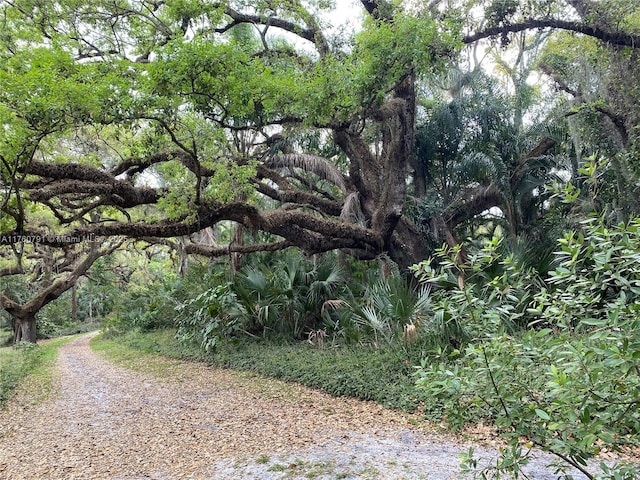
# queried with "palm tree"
point(475, 164)
point(287, 296)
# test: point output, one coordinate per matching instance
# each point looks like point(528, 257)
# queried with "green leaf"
point(542, 414)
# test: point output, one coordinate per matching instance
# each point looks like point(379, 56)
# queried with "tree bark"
point(235, 260)
point(74, 304)
point(26, 330)
point(618, 38)
point(25, 314)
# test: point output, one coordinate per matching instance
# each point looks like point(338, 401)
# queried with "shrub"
point(570, 386)
point(388, 306)
point(488, 294)
point(214, 314)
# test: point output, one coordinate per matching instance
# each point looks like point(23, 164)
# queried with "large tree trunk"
point(380, 177)
point(25, 330)
point(74, 304)
point(25, 314)
point(408, 246)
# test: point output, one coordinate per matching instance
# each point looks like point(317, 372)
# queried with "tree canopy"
point(160, 119)
point(196, 110)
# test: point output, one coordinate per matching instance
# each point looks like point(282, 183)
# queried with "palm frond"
point(333, 304)
point(371, 318)
point(380, 297)
point(254, 280)
point(557, 132)
point(327, 278)
point(320, 166)
point(477, 167)
point(422, 304)
point(352, 210)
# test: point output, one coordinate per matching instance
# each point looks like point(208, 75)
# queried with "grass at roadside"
point(6, 335)
point(130, 356)
point(384, 376)
point(29, 362)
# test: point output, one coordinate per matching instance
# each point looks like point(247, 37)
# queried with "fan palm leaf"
point(320, 166)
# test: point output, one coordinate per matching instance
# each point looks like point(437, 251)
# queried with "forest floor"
point(197, 422)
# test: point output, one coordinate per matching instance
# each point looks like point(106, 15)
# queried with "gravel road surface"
point(197, 422)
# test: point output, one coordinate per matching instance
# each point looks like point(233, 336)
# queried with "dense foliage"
point(569, 383)
point(287, 296)
point(16, 364)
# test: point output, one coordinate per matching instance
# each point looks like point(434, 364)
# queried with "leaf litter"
point(198, 422)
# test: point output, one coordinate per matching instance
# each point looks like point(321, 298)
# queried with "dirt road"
point(196, 422)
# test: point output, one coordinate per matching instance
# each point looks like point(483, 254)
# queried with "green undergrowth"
point(381, 375)
point(25, 360)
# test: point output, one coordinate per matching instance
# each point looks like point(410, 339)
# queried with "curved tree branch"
point(306, 230)
point(311, 33)
point(220, 251)
point(478, 200)
point(618, 38)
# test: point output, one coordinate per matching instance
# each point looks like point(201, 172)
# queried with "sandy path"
point(203, 423)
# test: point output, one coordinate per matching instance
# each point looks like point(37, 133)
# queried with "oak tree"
point(158, 119)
